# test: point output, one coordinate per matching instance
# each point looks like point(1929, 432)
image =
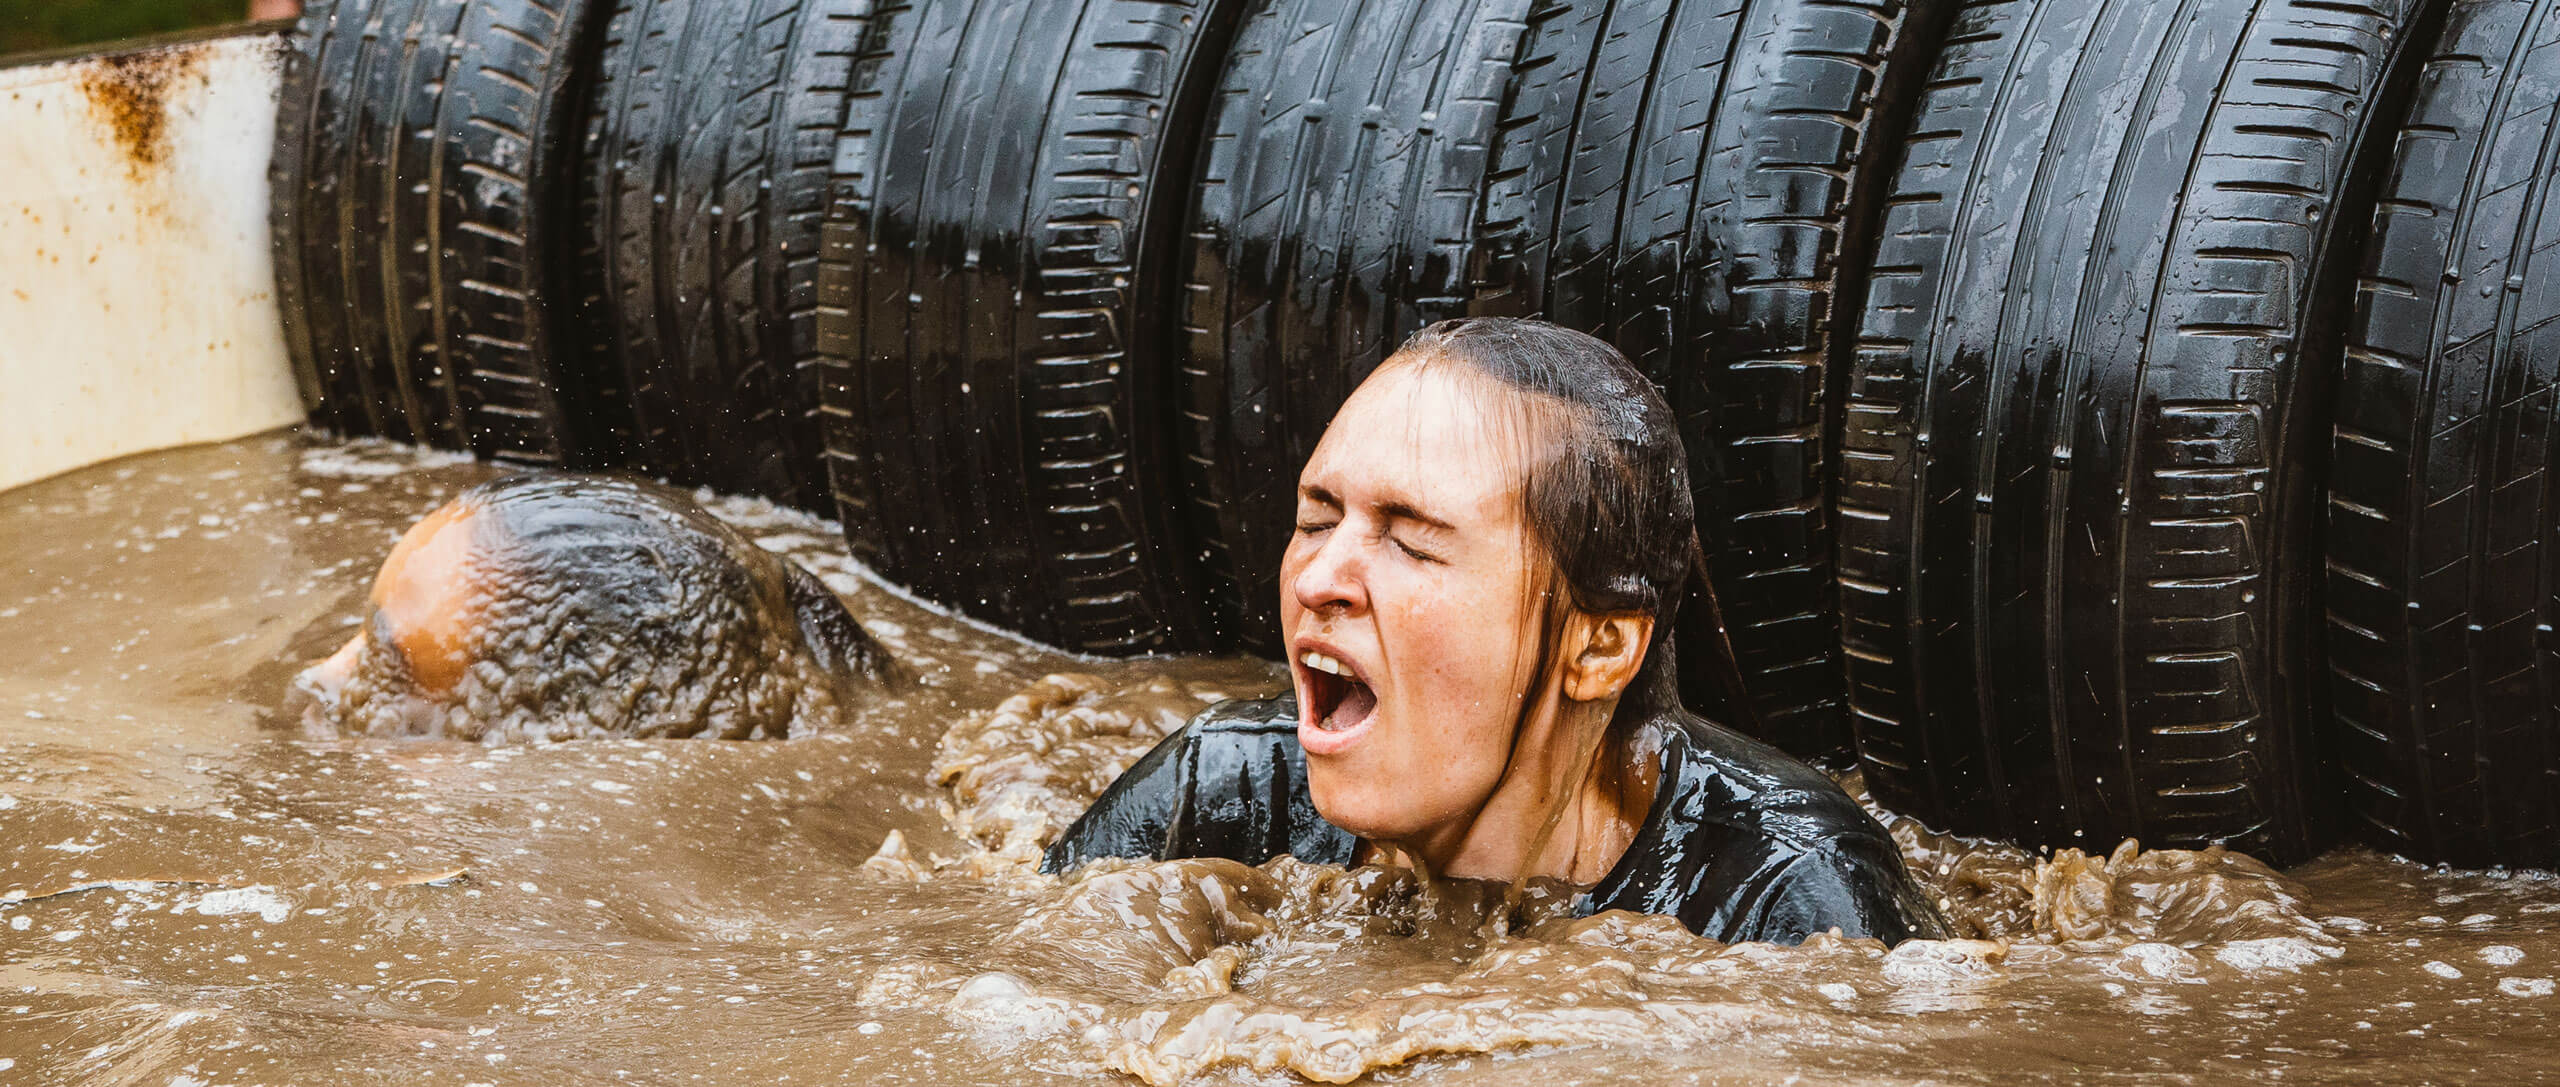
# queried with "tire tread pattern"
point(2441, 543)
point(708, 152)
point(996, 314)
point(416, 154)
point(2079, 454)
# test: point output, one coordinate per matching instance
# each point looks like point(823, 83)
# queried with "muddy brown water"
point(191, 895)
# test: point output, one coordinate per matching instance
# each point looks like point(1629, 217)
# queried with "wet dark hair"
point(608, 606)
point(1607, 498)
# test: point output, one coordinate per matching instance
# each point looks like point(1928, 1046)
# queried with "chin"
point(1370, 813)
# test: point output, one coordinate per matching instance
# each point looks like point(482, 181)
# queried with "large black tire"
point(1335, 215)
point(1696, 182)
point(2086, 414)
point(998, 309)
point(2443, 523)
point(417, 184)
point(708, 150)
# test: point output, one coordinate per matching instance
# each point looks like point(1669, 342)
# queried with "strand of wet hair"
point(1725, 667)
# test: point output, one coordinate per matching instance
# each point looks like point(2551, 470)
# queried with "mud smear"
point(189, 894)
point(130, 93)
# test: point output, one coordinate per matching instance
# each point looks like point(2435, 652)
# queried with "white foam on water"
point(1001, 1004)
point(2157, 960)
point(374, 458)
point(2274, 953)
point(233, 900)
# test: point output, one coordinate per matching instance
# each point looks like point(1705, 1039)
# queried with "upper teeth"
point(1322, 663)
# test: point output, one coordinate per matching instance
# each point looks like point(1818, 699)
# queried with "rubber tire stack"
point(2443, 522)
point(998, 296)
point(418, 147)
point(1049, 299)
point(1694, 182)
point(709, 145)
point(2088, 405)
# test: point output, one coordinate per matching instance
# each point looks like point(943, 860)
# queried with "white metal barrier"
point(137, 301)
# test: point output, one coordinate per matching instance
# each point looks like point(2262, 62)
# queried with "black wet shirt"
point(1742, 842)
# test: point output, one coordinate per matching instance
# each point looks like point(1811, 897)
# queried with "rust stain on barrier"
point(130, 93)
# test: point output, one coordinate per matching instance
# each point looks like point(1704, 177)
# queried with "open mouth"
point(1337, 698)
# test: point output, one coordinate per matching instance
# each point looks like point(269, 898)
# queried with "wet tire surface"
point(1693, 182)
point(2441, 536)
point(708, 149)
point(1008, 192)
point(1335, 214)
point(417, 157)
point(2078, 460)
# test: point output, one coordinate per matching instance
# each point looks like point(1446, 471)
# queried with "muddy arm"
point(1231, 784)
point(1838, 885)
point(1137, 815)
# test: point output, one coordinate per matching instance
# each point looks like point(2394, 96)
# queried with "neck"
point(1558, 811)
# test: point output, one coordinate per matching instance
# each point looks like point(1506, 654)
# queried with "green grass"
point(51, 24)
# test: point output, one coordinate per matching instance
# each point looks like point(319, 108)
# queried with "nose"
point(314, 693)
point(330, 674)
point(1333, 576)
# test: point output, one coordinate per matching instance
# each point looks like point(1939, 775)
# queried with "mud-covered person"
point(1492, 540)
point(553, 606)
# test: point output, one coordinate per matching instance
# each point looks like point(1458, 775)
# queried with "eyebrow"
point(1394, 509)
point(1406, 511)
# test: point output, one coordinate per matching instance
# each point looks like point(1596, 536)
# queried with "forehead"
point(433, 550)
point(420, 594)
point(1435, 436)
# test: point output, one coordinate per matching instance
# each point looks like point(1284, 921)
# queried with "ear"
point(1606, 651)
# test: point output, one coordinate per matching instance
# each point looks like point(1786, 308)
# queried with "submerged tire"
point(2443, 525)
point(417, 181)
point(2077, 481)
point(1695, 182)
point(997, 309)
point(709, 145)
point(1335, 214)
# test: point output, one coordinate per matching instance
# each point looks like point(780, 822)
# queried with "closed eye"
point(1411, 552)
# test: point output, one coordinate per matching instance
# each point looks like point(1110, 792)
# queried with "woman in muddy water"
point(1492, 540)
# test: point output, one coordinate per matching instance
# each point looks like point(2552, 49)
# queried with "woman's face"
point(1410, 574)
